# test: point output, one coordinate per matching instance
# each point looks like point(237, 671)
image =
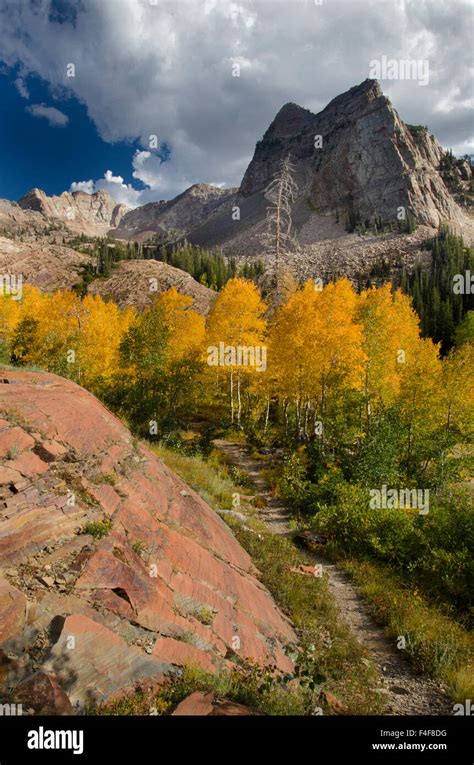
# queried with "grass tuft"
point(98, 529)
point(436, 644)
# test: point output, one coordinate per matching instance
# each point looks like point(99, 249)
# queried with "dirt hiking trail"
point(406, 692)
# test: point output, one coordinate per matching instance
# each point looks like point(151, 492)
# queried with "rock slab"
point(166, 584)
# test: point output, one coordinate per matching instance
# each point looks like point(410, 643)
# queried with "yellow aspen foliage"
point(186, 327)
point(316, 348)
point(391, 332)
point(290, 337)
point(237, 315)
point(102, 325)
point(62, 333)
point(339, 351)
point(421, 393)
point(32, 303)
point(458, 388)
point(407, 328)
point(236, 321)
point(10, 313)
point(49, 338)
point(319, 353)
point(185, 330)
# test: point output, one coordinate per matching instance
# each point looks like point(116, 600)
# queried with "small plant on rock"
point(98, 529)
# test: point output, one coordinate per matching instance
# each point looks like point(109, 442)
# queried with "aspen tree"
point(236, 320)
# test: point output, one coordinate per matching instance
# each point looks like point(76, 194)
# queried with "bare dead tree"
point(277, 239)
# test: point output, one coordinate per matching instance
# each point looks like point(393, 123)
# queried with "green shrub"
point(254, 686)
point(98, 529)
point(437, 548)
point(436, 644)
point(299, 494)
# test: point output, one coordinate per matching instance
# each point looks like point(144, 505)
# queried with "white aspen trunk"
point(239, 399)
point(267, 414)
point(298, 417)
point(306, 416)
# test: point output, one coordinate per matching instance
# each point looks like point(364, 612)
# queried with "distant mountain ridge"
point(354, 158)
point(92, 214)
point(192, 208)
point(98, 214)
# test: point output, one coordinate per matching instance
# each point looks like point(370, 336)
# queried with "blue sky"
point(36, 153)
point(166, 69)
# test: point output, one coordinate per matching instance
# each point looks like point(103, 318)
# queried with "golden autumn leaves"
point(324, 347)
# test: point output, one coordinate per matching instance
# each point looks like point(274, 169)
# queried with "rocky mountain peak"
point(193, 207)
point(33, 200)
point(204, 190)
point(92, 214)
point(355, 155)
point(368, 90)
point(289, 121)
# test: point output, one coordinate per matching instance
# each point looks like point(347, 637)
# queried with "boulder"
point(12, 611)
point(43, 694)
point(207, 705)
point(165, 584)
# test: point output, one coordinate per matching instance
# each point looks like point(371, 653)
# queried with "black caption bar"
point(373, 739)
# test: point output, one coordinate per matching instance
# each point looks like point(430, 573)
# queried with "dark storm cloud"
point(166, 70)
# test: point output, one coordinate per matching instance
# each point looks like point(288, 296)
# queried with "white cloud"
point(166, 69)
point(162, 180)
point(55, 117)
point(87, 186)
point(21, 87)
point(118, 190)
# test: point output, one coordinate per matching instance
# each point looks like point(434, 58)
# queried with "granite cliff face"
point(356, 156)
point(92, 214)
point(370, 161)
point(168, 584)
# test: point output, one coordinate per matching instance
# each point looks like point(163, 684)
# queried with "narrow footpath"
point(407, 693)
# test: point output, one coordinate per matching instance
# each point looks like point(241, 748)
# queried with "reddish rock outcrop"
point(160, 581)
point(42, 693)
point(200, 704)
point(12, 611)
